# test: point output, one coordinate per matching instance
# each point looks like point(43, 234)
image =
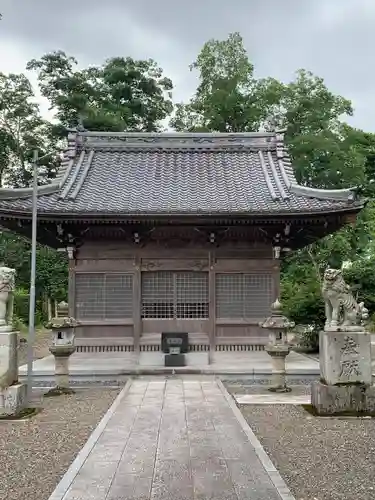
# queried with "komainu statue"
point(342, 310)
point(7, 283)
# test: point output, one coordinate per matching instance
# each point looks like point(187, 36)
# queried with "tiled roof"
point(131, 173)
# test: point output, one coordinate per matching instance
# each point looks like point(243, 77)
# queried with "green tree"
point(361, 276)
point(22, 129)
point(318, 141)
point(364, 144)
point(122, 94)
point(228, 98)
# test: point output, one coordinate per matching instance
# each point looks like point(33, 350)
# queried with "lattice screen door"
point(101, 296)
point(179, 295)
point(243, 295)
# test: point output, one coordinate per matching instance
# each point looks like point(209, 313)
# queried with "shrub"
point(18, 324)
point(21, 305)
point(21, 308)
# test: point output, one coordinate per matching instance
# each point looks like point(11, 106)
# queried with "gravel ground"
point(36, 453)
point(319, 458)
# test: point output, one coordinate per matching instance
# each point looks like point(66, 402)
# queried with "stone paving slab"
point(178, 439)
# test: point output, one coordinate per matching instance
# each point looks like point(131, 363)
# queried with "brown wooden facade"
point(216, 293)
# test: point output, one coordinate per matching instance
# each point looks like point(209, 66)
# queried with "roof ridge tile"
point(267, 177)
point(73, 176)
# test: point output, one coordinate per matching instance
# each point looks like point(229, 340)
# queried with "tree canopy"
point(128, 94)
point(122, 94)
point(228, 97)
point(22, 129)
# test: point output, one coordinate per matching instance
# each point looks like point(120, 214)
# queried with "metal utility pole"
point(31, 336)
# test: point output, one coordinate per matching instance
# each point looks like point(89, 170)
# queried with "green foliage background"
point(128, 94)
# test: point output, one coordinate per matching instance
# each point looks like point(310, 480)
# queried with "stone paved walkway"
point(175, 439)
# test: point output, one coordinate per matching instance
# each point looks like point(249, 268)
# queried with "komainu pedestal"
point(7, 285)
point(12, 393)
point(345, 384)
point(8, 359)
point(345, 357)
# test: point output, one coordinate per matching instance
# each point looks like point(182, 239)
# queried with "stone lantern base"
point(278, 353)
point(62, 348)
point(62, 354)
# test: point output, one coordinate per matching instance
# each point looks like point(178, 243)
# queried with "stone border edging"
point(69, 476)
point(277, 480)
point(178, 370)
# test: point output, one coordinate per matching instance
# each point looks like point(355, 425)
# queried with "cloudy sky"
point(333, 38)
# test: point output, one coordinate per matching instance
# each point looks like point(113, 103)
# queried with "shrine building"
point(175, 232)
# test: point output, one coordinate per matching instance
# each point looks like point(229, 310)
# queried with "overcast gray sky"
point(333, 38)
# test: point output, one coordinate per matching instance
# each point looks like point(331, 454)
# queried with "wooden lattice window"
point(101, 296)
point(242, 295)
point(179, 295)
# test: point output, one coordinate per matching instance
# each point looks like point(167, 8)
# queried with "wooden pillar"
point(211, 303)
point(276, 279)
point(72, 282)
point(137, 320)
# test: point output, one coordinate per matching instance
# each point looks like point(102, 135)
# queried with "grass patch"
point(312, 411)
point(279, 390)
point(59, 391)
point(24, 414)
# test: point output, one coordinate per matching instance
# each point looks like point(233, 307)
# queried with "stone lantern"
point(62, 348)
point(278, 347)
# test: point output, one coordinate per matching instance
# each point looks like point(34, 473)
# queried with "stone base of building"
point(349, 399)
point(158, 359)
point(13, 399)
point(152, 343)
point(174, 360)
